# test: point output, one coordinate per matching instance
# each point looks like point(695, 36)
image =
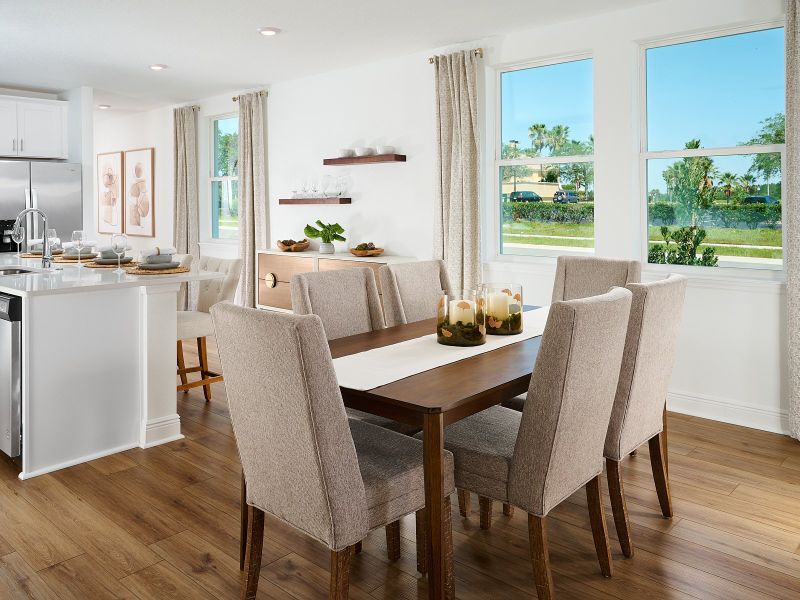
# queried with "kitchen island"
point(98, 361)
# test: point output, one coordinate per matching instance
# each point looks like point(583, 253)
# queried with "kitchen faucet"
point(47, 254)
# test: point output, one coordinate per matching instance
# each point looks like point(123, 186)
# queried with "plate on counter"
point(158, 266)
point(75, 257)
point(39, 252)
point(113, 261)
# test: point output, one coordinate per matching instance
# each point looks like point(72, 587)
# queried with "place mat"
point(33, 255)
point(377, 367)
point(84, 258)
point(94, 265)
point(135, 270)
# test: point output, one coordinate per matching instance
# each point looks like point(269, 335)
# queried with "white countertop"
point(66, 278)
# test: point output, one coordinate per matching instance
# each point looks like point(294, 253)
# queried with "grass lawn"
point(561, 229)
point(729, 235)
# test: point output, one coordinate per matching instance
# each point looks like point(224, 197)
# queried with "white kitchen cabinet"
point(33, 128)
point(41, 127)
point(8, 127)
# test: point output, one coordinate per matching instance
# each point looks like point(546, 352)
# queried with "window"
point(544, 159)
point(224, 180)
point(713, 150)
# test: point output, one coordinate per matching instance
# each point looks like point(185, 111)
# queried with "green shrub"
point(684, 251)
point(662, 213)
point(751, 216)
point(548, 212)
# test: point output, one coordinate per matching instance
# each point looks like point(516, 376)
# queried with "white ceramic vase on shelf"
point(326, 248)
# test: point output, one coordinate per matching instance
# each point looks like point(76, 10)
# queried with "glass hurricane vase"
point(503, 308)
point(462, 319)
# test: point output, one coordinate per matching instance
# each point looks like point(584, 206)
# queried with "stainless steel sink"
point(13, 271)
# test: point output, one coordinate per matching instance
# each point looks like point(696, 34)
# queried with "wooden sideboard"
point(276, 269)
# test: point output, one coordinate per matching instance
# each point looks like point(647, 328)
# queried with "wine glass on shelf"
point(17, 235)
point(119, 244)
point(78, 239)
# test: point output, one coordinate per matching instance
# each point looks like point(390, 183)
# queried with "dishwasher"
point(10, 375)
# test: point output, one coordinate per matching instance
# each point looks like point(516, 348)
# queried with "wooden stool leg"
point(181, 365)
point(540, 557)
point(464, 503)
point(255, 542)
point(393, 540)
point(340, 574)
point(449, 569)
point(660, 476)
point(243, 519)
point(508, 509)
point(422, 557)
point(619, 507)
point(486, 512)
point(203, 354)
point(599, 532)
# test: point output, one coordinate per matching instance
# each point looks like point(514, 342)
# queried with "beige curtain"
point(252, 189)
point(457, 228)
point(186, 203)
point(791, 207)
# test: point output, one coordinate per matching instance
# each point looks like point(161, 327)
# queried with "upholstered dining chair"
point(584, 276)
point(639, 413)
point(197, 325)
point(303, 461)
point(411, 290)
point(537, 458)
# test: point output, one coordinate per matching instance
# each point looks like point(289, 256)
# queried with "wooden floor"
point(163, 523)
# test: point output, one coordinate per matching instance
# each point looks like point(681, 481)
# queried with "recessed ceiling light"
point(268, 30)
point(103, 106)
point(157, 67)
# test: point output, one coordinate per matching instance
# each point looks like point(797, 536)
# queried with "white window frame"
point(730, 265)
point(497, 162)
point(226, 180)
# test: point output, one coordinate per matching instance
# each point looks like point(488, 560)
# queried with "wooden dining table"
point(433, 399)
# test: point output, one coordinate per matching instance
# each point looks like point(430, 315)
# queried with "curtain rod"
point(477, 52)
point(260, 93)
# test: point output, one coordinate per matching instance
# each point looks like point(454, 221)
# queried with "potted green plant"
point(327, 232)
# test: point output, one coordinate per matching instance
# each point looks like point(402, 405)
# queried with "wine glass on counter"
point(119, 244)
point(17, 235)
point(78, 239)
point(51, 239)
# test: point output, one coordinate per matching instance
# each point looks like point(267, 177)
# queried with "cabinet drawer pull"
point(271, 280)
point(21, 144)
point(14, 144)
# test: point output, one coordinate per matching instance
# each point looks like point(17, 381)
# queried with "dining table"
point(433, 399)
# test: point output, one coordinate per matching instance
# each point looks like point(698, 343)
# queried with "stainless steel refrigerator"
point(53, 187)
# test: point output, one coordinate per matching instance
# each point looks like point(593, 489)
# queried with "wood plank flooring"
point(163, 523)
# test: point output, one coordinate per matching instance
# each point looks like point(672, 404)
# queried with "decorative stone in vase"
point(462, 319)
point(503, 308)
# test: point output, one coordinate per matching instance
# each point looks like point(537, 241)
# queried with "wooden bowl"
point(298, 247)
point(373, 252)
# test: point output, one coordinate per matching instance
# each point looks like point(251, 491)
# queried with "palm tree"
point(747, 183)
point(538, 134)
point(728, 182)
point(557, 138)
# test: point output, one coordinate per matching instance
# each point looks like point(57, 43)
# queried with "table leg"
point(433, 448)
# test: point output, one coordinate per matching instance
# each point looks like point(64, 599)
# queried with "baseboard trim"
point(162, 430)
point(729, 411)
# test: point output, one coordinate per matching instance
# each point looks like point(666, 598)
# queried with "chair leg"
point(464, 503)
point(358, 547)
point(658, 463)
point(393, 540)
point(340, 573)
point(422, 557)
point(619, 507)
point(664, 446)
point(486, 512)
point(599, 532)
point(540, 557)
point(243, 520)
point(203, 354)
point(508, 509)
point(449, 568)
point(182, 365)
point(255, 543)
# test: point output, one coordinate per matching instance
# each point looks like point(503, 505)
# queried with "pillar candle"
point(462, 310)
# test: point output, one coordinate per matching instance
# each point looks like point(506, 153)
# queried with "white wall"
point(731, 362)
point(80, 131)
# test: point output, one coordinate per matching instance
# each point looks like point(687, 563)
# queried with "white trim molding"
point(729, 411)
point(162, 430)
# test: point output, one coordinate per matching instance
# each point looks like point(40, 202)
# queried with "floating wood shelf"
point(331, 200)
point(359, 160)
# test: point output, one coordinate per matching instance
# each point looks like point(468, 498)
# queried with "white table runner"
point(377, 367)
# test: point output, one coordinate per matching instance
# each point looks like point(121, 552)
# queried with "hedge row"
point(749, 216)
point(548, 212)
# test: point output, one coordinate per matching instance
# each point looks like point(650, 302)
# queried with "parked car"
point(565, 196)
point(524, 197)
point(760, 200)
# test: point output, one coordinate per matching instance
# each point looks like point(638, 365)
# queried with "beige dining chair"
point(639, 413)
point(537, 458)
point(197, 325)
point(584, 276)
point(303, 461)
point(411, 291)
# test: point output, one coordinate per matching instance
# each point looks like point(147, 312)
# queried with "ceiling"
point(212, 46)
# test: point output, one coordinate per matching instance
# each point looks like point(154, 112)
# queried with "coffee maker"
point(6, 243)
